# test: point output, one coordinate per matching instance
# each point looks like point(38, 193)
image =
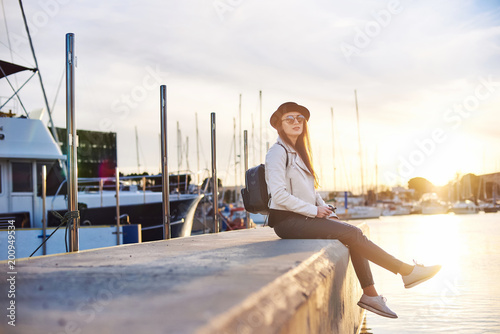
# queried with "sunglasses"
point(291, 119)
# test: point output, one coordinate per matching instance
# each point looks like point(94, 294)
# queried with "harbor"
point(463, 297)
point(126, 169)
point(246, 281)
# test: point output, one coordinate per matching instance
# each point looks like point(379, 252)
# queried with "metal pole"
point(44, 211)
point(164, 166)
point(245, 149)
point(215, 190)
point(101, 188)
point(74, 223)
point(144, 188)
point(117, 187)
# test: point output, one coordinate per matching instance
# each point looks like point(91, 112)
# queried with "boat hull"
point(148, 215)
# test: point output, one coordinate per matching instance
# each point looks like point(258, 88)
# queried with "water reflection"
point(464, 297)
point(365, 329)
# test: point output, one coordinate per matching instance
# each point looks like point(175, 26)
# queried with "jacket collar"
point(288, 147)
point(298, 160)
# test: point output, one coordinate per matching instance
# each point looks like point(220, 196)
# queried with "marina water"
point(464, 297)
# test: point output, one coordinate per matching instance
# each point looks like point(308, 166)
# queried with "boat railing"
point(180, 183)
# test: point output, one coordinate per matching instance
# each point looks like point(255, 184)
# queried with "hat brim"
point(286, 108)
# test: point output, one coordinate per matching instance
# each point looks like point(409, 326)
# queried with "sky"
point(426, 76)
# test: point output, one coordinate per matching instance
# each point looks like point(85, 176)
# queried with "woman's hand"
point(323, 212)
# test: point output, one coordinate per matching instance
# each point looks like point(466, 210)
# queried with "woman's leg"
point(293, 226)
point(299, 227)
point(362, 269)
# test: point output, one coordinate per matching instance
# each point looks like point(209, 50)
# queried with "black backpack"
point(255, 195)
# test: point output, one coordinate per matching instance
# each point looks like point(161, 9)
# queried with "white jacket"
point(292, 187)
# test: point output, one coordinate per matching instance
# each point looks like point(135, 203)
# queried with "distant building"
point(489, 186)
point(493, 178)
point(96, 152)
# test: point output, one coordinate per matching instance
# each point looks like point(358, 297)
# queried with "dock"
point(245, 281)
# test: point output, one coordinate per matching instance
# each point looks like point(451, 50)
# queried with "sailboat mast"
point(235, 160)
point(253, 140)
point(179, 148)
point(376, 174)
point(333, 155)
point(260, 139)
point(197, 154)
point(360, 152)
point(52, 128)
point(187, 153)
point(241, 165)
point(137, 150)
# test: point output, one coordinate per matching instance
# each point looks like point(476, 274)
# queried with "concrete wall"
point(247, 281)
point(318, 296)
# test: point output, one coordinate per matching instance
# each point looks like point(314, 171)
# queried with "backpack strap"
point(286, 164)
point(286, 153)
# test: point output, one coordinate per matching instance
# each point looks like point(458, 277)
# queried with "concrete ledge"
point(246, 281)
point(318, 296)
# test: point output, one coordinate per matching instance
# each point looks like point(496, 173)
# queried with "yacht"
point(464, 207)
point(26, 145)
point(431, 204)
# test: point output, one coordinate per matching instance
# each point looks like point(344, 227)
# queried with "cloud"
point(424, 58)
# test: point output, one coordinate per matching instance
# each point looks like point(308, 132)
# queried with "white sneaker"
point(376, 305)
point(420, 274)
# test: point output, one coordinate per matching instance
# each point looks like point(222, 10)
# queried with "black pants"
point(289, 225)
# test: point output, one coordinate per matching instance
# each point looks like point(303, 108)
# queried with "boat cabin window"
point(55, 176)
point(22, 177)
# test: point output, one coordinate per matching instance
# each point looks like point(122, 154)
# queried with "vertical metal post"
point(164, 166)
point(44, 210)
point(144, 188)
point(345, 202)
point(117, 187)
point(101, 188)
point(74, 223)
point(245, 149)
point(215, 189)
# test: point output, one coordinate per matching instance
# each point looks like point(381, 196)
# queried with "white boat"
point(355, 207)
point(490, 208)
point(395, 209)
point(359, 212)
point(464, 207)
point(26, 145)
point(432, 205)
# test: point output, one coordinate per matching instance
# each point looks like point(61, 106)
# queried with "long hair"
point(303, 148)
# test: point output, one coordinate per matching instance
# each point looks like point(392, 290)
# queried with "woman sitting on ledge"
point(298, 212)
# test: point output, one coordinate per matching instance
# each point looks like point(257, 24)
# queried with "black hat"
point(288, 107)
